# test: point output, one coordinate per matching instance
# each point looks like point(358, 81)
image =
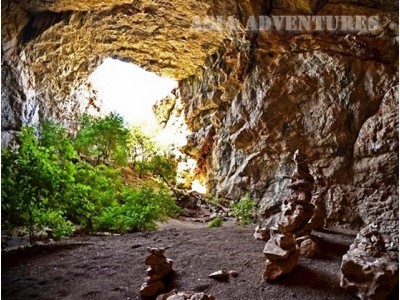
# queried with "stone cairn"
point(368, 270)
point(281, 250)
point(159, 268)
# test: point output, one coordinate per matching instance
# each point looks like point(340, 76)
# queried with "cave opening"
point(129, 90)
point(133, 92)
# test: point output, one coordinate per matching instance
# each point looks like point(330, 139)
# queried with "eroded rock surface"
point(334, 97)
point(367, 268)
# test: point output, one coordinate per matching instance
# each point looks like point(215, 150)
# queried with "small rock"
point(213, 216)
point(166, 295)
point(261, 233)
point(151, 289)
point(274, 252)
point(177, 297)
point(201, 296)
point(154, 260)
point(156, 251)
point(308, 248)
point(219, 275)
point(234, 273)
point(276, 268)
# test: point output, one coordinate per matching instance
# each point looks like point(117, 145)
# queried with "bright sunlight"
point(129, 90)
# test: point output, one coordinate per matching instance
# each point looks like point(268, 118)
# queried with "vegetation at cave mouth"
point(104, 176)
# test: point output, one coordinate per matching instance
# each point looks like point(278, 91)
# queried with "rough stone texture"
point(308, 248)
point(277, 268)
point(66, 40)
point(250, 100)
point(367, 268)
point(261, 233)
point(175, 295)
point(334, 97)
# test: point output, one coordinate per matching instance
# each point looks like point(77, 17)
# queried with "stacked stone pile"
point(159, 268)
point(281, 250)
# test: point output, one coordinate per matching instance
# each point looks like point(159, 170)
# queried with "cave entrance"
point(129, 90)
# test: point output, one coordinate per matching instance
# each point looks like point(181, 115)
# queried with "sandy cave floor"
point(111, 267)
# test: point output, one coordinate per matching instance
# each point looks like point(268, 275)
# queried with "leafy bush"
point(243, 210)
point(46, 183)
point(60, 226)
point(216, 222)
point(140, 210)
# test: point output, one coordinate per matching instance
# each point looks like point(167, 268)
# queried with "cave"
point(243, 91)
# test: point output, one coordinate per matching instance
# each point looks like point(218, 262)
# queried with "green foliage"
point(141, 147)
point(162, 167)
point(243, 210)
point(103, 139)
point(60, 226)
point(34, 177)
point(216, 222)
point(46, 183)
point(140, 210)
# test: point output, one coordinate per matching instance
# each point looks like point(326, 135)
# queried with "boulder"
point(277, 268)
point(368, 270)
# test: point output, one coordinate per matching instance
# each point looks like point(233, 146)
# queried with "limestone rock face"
point(333, 97)
point(64, 41)
point(367, 269)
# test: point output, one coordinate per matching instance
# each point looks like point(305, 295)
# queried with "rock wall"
point(334, 97)
point(251, 99)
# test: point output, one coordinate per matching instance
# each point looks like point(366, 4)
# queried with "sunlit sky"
point(129, 90)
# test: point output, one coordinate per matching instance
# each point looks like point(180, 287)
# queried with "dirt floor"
point(111, 267)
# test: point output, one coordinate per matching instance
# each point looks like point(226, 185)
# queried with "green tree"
point(141, 146)
point(46, 183)
point(103, 139)
point(163, 167)
point(32, 182)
